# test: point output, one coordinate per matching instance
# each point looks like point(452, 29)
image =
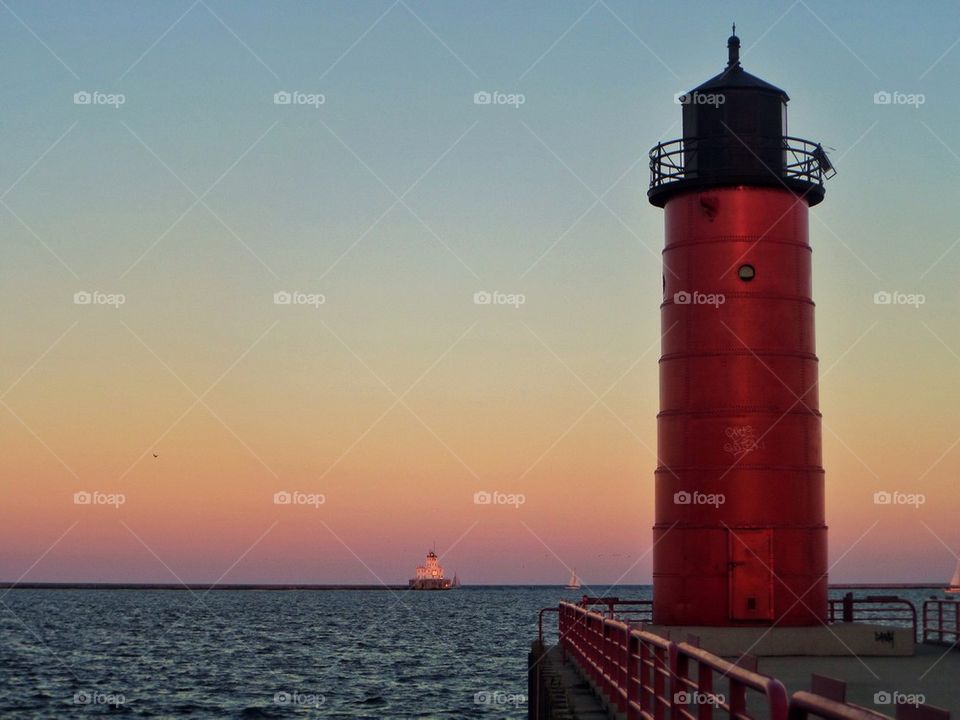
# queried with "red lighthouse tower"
point(740, 534)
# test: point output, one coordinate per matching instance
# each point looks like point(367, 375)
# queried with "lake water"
point(269, 654)
point(274, 654)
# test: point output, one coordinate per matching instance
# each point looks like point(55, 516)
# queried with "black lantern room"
point(735, 133)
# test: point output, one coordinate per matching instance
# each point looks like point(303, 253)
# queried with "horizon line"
point(368, 586)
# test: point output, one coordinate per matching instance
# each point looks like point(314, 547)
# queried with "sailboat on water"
point(574, 582)
point(954, 586)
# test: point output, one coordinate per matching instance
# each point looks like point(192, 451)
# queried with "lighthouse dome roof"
point(734, 77)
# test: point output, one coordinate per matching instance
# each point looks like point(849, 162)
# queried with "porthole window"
point(746, 273)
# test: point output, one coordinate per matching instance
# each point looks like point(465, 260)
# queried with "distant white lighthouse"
point(429, 576)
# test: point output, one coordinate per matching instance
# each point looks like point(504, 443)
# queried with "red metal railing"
point(650, 663)
point(876, 609)
point(941, 621)
point(540, 620)
point(647, 676)
point(740, 680)
point(626, 610)
point(806, 704)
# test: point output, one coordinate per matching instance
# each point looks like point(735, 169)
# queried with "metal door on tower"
point(751, 574)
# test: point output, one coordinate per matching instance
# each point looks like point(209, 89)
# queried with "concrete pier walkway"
point(933, 672)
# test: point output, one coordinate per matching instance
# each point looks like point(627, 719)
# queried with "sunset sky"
point(397, 199)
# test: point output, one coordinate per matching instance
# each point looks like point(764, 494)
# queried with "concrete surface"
point(557, 690)
point(841, 639)
point(933, 672)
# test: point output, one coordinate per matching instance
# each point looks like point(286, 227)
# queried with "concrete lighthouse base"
point(840, 639)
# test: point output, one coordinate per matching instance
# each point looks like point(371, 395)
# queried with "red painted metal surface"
point(739, 422)
point(751, 577)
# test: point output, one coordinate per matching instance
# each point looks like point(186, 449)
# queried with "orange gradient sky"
point(398, 199)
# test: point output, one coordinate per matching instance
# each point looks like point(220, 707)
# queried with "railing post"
point(605, 655)
point(633, 695)
point(626, 659)
point(598, 634)
point(673, 660)
point(596, 650)
point(572, 635)
point(580, 633)
point(705, 687)
point(589, 646)
point(624, 678)
point(939, 611)
point(956, 622)
point(738, 698)
point(646, 680)
point(848, 607)
point(658, 682)
point(679, 673)
point(777, 700)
